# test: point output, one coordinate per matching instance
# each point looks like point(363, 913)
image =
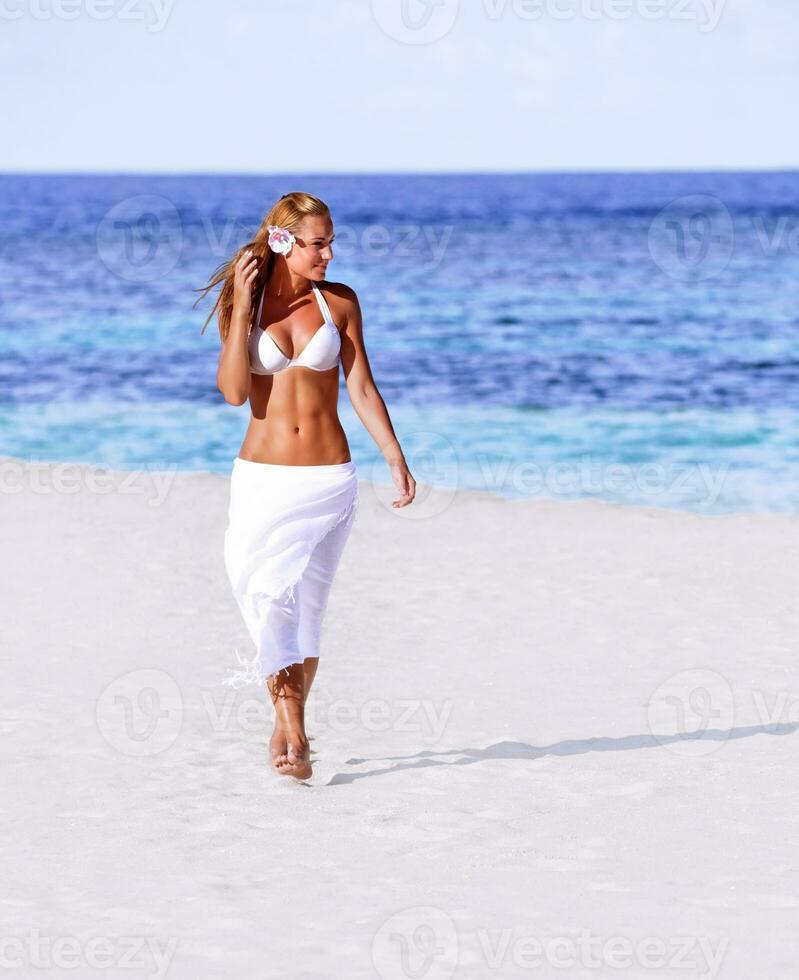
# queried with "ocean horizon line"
point(544, 172)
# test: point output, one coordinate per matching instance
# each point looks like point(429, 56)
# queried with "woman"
point(294, 489)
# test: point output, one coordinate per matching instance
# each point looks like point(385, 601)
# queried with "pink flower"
point(280, 239)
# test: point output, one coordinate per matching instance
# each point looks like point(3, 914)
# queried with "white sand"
point(490, 723)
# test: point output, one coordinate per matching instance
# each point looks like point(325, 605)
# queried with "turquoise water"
point(633, 338)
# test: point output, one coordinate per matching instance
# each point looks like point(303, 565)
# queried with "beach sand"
point(533, 722)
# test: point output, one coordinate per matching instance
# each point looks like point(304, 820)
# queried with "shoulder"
point(339, 290)
point(344, 299)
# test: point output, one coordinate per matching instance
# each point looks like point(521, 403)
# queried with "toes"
point(294, 761)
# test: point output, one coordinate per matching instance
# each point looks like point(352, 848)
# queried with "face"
point(312, 250)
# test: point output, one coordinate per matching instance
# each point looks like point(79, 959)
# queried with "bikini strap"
point(323, 304)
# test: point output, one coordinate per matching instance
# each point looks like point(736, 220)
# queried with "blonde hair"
point(288, 213)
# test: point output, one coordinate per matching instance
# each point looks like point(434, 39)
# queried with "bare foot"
point(297, 759)
point(278, 745)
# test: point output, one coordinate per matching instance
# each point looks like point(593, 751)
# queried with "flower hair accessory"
point(280, 239)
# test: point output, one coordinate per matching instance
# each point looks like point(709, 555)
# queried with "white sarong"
point(287, 527)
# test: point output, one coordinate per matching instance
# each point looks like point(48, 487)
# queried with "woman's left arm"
point(368, 402)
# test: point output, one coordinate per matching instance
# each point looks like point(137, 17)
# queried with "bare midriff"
point(294, 419)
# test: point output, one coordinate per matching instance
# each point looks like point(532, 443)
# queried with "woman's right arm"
point(233, 377)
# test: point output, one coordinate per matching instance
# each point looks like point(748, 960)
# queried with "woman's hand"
point(404, 482)
point(245, 271)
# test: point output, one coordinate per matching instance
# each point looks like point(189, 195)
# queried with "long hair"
point(288, 213)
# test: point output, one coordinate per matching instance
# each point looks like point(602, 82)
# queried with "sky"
point(275, 86)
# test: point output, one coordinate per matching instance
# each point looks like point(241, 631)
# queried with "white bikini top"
point(321, 353)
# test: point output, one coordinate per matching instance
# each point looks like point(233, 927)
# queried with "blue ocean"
point(628, 337)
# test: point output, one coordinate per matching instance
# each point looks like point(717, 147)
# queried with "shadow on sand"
point(520, 750)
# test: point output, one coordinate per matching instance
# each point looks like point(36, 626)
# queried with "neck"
point(285, 284)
